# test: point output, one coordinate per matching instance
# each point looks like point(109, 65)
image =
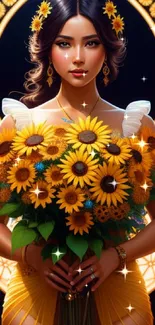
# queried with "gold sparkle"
point(84, 104)
point(145, 186)
point(125, 271)
point(57, 253)
point(130, 308)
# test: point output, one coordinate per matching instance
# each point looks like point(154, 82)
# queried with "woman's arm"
point(5, 245)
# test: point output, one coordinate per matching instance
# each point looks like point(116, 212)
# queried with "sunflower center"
point(113, 149)
point(34, 140)
point(52, 150)
point(106, 184)
point(71, 197)
point(137, 156)
point(80, 168)
point(60, 132)
point(87, 137)
point(79, 219)
point(22, 174)
point(151, 141)
point(56, 175)
point(5, 147)
point(43, 194)
point(139, 176)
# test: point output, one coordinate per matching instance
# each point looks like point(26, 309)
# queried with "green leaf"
point(22, 235)
point(33, 224)
point(96, 245)
point(77, 244)
point(9, 208)
point(46, 229)
point(46, 251)
point(62, 250)
point(17, 213)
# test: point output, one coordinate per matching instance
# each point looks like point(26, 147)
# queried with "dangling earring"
point(106, 72)
point(49, 74)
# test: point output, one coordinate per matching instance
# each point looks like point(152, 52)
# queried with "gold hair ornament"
point(45, 9)
point(41, 14)
point(116, 20)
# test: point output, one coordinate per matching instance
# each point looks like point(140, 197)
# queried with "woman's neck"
point(72, 97)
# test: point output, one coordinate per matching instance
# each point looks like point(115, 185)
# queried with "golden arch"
point(145, 13)
point(17, 4)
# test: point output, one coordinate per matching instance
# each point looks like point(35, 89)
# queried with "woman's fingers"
point(83, 274)
point(74, 266)
point(54, 285)
point(59, 271)
point(56, 278)
point(64, 265)
point(86, 281)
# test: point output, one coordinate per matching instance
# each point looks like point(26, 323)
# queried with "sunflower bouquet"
point(75, 186)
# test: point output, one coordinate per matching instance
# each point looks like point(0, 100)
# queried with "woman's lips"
point(79, 74)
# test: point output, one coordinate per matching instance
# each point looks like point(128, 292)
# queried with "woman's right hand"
point(55, 275)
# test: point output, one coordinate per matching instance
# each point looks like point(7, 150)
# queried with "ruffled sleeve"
point(18, 111)
point(133, 116)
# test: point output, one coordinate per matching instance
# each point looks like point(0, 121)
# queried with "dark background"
point(139, 62)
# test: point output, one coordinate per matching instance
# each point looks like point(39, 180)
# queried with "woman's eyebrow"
point(84, 38)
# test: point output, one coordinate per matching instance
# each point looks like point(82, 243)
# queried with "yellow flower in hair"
point(152, 10)
point(118, 24)
point(44, 9)
point(36, 25)
point(110, 9)
point(80, 222)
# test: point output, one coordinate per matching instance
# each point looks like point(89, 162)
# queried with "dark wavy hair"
point(37, 89)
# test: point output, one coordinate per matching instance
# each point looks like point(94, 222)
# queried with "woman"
point(34, 294)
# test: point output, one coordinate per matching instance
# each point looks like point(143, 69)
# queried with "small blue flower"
point(88, 204)
point(39, 166)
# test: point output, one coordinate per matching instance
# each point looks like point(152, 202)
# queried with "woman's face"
point(75, 51)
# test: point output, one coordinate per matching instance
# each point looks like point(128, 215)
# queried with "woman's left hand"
point(100, 268)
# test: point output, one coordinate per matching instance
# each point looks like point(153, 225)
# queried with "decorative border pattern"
point(146, 8)
point(8, 9)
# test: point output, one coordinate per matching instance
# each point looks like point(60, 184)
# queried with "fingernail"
point(72, 283)
point(69, 274)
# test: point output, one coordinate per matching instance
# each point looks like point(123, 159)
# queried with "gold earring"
point(49, 74)
point(106, 72)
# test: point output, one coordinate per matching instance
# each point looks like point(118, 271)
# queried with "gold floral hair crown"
point(45, 9)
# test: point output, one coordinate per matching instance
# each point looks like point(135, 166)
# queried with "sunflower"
point(4, 171)
point(37, 24)
point(110, 9)
point(148, 135)
point(116, 152)
point(152, 10)
point(2, 10)
point(41, 193)
point(109, 184)
point(34, 157)
point(88, 134)
point(5, 195)
point(60, 131)
point(78, 167)
point(80, 222)
point(138, 176)
point(70, 198)
point(54, 176)
point(146, 2)
point(26, 198)
point(21, 175)
point(140, 195)
point(31, 138)
point(118, 24)
point(9, 3)
point(6, 140)
point(44, 9)
point(141, 158)
point(54, 150)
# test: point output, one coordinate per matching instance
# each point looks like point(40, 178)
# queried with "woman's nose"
point(78, 54)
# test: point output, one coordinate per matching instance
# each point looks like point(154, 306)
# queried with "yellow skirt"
point(26, 293)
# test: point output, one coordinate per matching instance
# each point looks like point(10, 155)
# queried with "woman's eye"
point(62, 44)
